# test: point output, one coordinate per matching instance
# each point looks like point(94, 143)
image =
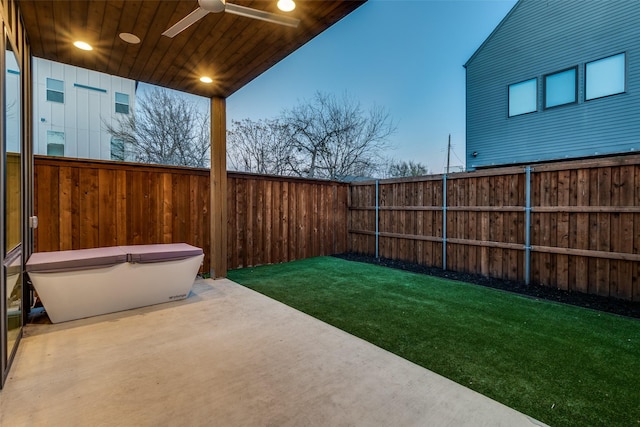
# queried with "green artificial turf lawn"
point(561, 364)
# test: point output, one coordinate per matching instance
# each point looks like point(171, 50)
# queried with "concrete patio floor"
point(226, 356)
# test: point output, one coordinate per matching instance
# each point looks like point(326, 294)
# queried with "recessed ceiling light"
point(205, 79)
point(286, 5)
point(130, 38)
point(82, 45)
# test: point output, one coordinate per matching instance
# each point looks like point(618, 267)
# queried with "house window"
point(117, 149)
point(560, 88)
point(55, 143)
point(605, 77)
point(122, 103)
point(55, 90)
point(523, 97)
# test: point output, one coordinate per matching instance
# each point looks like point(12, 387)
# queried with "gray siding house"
point(556, 79)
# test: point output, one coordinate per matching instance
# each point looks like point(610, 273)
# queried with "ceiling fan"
point(217, 6)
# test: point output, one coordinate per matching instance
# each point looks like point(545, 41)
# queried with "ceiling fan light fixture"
point(215, 6)
point(206, 79)
point(82, 45)
point(286, 5)
point(130, 38)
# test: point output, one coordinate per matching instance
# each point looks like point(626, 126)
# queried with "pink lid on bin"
point(79, 259)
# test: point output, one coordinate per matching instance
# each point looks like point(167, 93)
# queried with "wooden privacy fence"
point(84, 204)
point(571, 225)
point(277, 219)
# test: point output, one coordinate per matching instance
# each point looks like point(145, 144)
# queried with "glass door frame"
point(14, 258)
point(4, 357)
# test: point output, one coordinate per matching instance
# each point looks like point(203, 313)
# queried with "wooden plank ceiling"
point(233, 50)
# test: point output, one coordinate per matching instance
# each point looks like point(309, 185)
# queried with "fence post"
point(444, 221)
point(377, 220)
point(527, 227)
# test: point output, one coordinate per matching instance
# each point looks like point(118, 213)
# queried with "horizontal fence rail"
point(85, 204)
point(571, 225)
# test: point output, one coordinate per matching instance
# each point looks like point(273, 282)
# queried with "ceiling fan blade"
point(259, 14)
point(186, 22)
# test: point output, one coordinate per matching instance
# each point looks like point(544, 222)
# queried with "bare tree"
point(260, 146)
point(404, 169)
point(336, 137)
point(164, 128)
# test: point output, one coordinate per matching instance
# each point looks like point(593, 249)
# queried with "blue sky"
point(404, 55)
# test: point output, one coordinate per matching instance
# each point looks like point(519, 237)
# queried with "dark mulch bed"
point(611, 305)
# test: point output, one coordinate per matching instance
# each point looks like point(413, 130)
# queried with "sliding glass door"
point(12, 190)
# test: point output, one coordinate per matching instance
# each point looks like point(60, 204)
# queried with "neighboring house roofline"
point(492, 33)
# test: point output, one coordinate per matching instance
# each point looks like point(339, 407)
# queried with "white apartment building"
point(70, 107)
